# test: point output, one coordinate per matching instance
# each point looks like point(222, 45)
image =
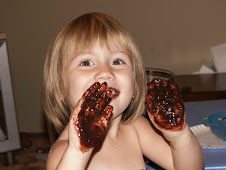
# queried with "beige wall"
point(175, 35)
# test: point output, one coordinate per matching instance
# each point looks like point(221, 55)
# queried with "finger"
point(90, 92)
point(103, 101)
point(97, 92)
point(101, 89)
point(88, 97)
point(85, 98)
point(76, 116)
point(106, 116)
point(77, 108)
point(92, 105)
point(150, 103)
point(150, 85)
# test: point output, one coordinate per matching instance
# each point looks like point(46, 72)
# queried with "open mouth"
point(114, 93)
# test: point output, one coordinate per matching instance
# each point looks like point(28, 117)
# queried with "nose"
point(104, 73)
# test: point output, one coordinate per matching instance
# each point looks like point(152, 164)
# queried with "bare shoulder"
point(57, 150)
point(56, 154)
point(152, 142)
point(142, 124)
point(141, 119)
point(147, 133)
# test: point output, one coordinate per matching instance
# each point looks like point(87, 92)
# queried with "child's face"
point(101, 65)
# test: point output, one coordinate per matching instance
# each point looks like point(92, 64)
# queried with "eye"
point(118, 62)
point(86, 63)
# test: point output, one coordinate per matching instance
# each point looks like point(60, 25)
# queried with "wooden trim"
point(202, 96)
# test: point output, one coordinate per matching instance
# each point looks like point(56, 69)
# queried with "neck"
point(113, 127)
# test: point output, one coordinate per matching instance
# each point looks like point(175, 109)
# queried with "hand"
point(90, 118)
point(166, 110)
point(165, 105)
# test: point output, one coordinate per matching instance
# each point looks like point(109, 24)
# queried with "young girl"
point(95, 52)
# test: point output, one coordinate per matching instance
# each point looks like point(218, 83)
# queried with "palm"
point(91, 119)
point(165, 105)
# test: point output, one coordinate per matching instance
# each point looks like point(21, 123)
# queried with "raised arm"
point(165, 108)
point(86, 129)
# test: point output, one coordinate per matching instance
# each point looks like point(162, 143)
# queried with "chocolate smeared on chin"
point(94, 115)
point(164, 101)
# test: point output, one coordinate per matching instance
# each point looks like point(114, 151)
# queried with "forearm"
point(186, 151)
point(73, 159)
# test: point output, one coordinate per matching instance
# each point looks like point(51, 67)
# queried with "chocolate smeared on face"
point(94, 115)
point(164, 101)
point(114, 93)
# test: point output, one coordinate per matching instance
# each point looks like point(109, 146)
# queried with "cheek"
point(130, 83)
point(128, 89)
point(127, 82)
point(74, 92)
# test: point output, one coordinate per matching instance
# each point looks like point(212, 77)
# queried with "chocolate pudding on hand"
point(95, 114)
point(164, 101)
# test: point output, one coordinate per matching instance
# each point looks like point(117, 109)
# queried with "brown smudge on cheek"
point(165, 102)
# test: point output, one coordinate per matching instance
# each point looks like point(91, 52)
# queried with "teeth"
point(114, 92)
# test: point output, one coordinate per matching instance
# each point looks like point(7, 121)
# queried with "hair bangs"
point(86, 31)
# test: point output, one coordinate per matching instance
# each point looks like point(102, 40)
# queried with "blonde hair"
point(81, 34)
